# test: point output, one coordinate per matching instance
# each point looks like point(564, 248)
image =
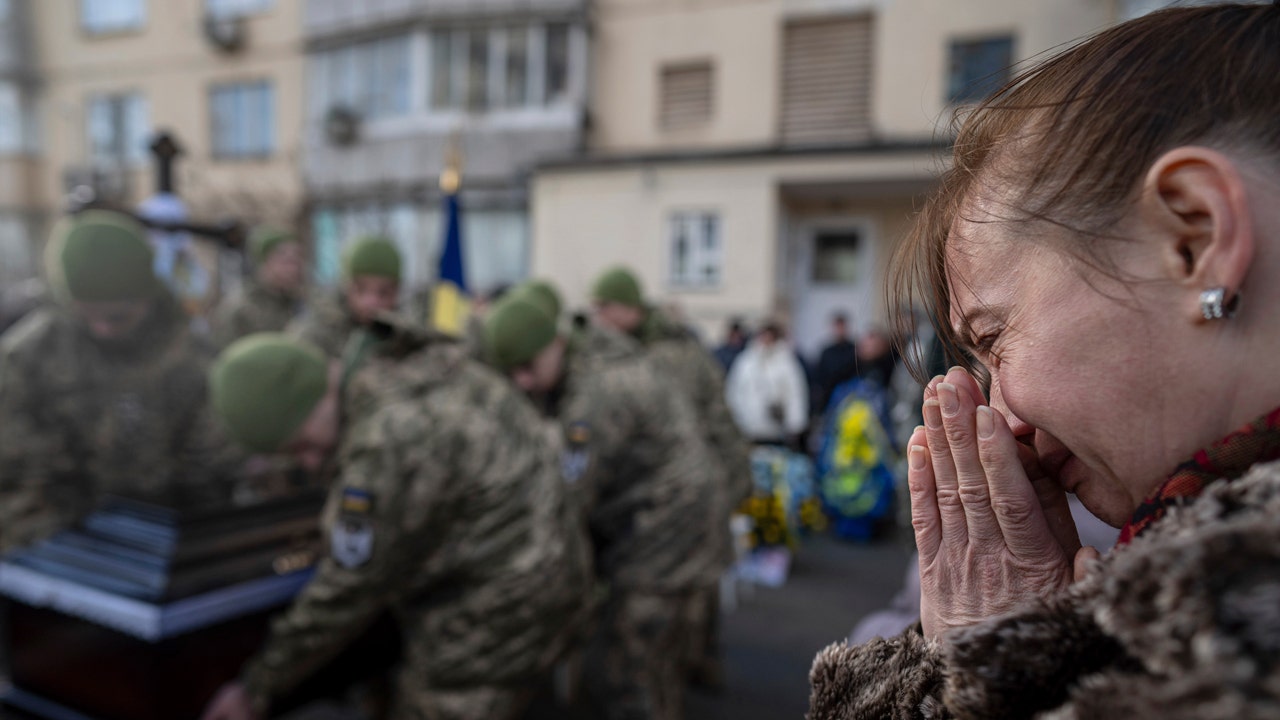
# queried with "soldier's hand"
point(231, 703)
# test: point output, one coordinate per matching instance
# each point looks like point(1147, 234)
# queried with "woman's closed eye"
point(984, 348)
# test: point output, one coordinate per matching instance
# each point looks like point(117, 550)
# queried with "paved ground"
point(771, 639)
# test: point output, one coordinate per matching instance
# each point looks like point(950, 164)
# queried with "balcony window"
point(243, 120)
point(119, 129)
point(486, 69)
point(108, 16)
point(372, 78)
point(516, 80)
point(237, 8)
point(557, 59)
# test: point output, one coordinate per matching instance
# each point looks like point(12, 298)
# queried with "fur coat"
point(1184, 622)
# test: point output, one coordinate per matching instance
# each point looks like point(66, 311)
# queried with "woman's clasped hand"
point(993, 530)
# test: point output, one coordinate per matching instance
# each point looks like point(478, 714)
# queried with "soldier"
point(448, 509)
point(104, 390)
point(269, 300)
point(688, 366)
point(370, 286)
point(19, 299)
point(645, 491)
point(543, 294)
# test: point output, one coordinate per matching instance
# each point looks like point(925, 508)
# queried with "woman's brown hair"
point(1074, 135)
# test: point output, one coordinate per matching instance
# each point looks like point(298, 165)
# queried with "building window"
point(237, 8)
point(685, 96)
point(119, 129)
point(371, 78)
point(557, 63)
point(826, 80)
point(836, 257)
point(107, 16)
point(509, 67)
point(12, 120)
point(978, 68)
point(495, 243)
point(243, 120)
point(516, 79)
point(696, 258)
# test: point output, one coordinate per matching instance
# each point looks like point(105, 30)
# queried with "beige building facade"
point(761, 159)
point(223, 77)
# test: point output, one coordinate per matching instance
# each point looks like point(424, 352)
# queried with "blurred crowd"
point(529, 494)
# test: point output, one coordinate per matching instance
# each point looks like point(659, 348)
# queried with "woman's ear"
point(1196, 200)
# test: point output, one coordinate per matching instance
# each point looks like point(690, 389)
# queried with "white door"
point(832, 271)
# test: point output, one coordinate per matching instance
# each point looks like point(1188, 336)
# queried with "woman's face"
point(1084, 367)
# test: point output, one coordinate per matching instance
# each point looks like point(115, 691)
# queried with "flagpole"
point(451, 306)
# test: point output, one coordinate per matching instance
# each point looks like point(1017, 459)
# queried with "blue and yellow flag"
point(451, 305)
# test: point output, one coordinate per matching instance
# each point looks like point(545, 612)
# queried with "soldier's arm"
point(373, 538)
point(224, 327)
point(32, 458)
point(727, 440)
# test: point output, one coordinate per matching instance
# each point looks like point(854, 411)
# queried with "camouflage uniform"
point(81, 420)
point(682, 358)
point(328, 324)
point(649, 503)
point(19, 299)
point(253, 308)
point(449, 510)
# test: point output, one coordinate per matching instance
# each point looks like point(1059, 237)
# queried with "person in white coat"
point(766, 390)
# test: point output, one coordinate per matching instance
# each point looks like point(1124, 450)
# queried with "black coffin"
point(143, 612)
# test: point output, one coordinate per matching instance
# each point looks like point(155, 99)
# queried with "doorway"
point(832, 270)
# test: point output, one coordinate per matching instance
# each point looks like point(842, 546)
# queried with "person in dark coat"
point(837, 363)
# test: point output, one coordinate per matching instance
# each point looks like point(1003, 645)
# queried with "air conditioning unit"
point(85, 185)
point(225, 32)
point(342, 126)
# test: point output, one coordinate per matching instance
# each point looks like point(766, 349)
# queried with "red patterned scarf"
point(1228, 459)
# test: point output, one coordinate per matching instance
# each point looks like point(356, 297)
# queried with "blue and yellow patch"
point(578, 434)
point(356, 501)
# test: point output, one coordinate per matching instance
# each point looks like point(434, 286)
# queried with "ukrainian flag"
point(451, 304)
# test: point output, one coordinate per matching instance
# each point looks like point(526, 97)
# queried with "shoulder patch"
point(578, 434)
point(576, 458)
point(356, 501)
point(351, 538)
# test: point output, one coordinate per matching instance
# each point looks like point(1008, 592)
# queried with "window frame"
point(694, 279)
point(255, 7)
point(95, 29)
point(125, 108)
point(979, 86)
point(242, 89)
point(455, 75)
point(667, 72)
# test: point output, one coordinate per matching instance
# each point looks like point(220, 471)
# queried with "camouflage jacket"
point(632, 447)
point(80, 421)
point(327, 324)
point(252, 309)
point(683, 359)
point(449, 510)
